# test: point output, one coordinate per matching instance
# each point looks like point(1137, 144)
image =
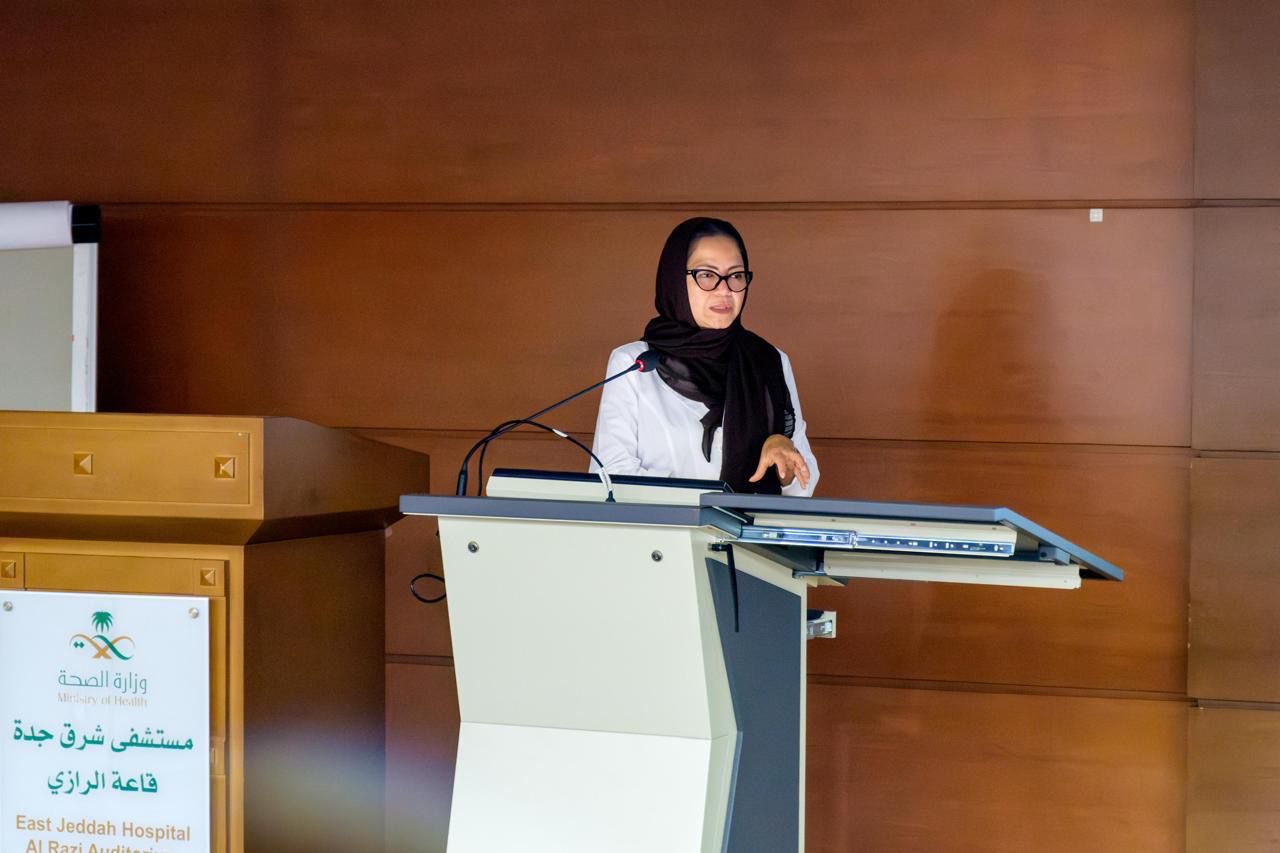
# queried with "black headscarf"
point(736, 373)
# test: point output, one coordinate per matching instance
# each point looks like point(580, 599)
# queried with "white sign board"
point(104, 723)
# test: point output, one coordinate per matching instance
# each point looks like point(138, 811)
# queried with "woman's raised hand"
point(780, 451)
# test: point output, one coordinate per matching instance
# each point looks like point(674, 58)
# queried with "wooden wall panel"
point(1237, 329)
point(1010, 325)
point(422, 744)
point(138, 100)
point(893, 770)
point(1129, 506)
point(391, 101)
point(1235, 580)
point(1233, 780)
point(1237, 102)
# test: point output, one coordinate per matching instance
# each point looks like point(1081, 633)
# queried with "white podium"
point(631, 675)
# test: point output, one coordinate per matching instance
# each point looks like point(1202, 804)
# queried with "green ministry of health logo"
point(104, 648)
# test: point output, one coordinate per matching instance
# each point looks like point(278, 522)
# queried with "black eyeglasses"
point(710, 279)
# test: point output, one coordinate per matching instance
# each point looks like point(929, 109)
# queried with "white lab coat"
point(645, 427)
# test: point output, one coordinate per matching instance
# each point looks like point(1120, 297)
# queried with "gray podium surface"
point(1036, 535)
point(727, 512)
point(631, 674)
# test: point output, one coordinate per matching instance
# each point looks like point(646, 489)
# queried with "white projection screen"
point(48, 306)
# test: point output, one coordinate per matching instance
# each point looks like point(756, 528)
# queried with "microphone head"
point(648, 360)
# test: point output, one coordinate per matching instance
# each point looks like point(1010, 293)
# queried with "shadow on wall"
point(985, 379)
point(987, 376)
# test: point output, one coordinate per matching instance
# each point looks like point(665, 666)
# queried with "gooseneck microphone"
point(645, 362)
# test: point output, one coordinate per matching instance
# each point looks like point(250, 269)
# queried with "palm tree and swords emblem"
point(104, 648)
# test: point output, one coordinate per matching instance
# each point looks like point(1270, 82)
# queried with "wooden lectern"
point(280, 523)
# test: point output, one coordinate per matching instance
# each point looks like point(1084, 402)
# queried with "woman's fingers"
point(767, 458)
point(789, 462)
point(802, 470)
point(786, 467)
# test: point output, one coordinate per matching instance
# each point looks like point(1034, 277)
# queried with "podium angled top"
point(819, 536)
point(197, 479)
point(1031, 537)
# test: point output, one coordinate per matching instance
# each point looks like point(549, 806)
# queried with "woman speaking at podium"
point(723, 405)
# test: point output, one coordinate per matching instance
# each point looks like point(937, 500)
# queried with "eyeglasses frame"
point(720, 278)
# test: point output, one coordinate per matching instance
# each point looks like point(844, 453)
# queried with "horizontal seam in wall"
point(959, 444)
point(688, 206)
point(1234, 705)
point(420, 660)
point(1203, 453)
point(462, 434)
point(995, 687)
point(923, 684)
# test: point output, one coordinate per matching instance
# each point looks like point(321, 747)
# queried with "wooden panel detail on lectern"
point(130, 465)
point(13, 571)
point(130, 574)
point(57, 463)
point(172, 478)
point(311, 471)
point(1233, 780)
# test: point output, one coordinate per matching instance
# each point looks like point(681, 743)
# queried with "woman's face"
point(718, 308)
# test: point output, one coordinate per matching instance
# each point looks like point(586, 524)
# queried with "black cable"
point(485, 449)
point(645, 362)
point(508, 426)
point(413, 588)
